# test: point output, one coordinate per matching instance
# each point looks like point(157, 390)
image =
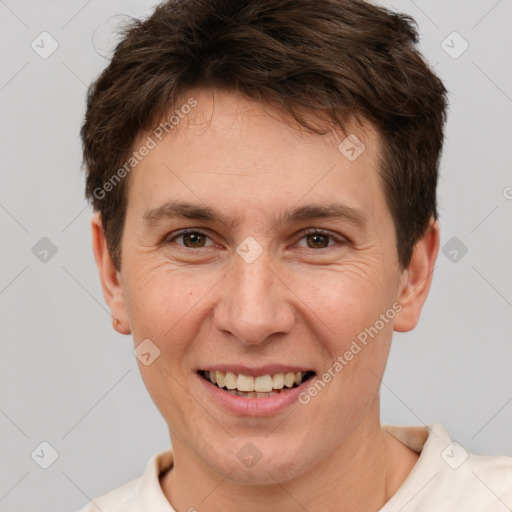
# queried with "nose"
point(255, 303)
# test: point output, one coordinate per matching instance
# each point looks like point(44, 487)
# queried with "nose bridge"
point(254, 282)
point(254, 303)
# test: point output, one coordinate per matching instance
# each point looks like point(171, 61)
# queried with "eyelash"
point(304, 233)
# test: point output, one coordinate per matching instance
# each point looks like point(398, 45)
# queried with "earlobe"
point(110, 277)
point(417, 278)
point(119, 327)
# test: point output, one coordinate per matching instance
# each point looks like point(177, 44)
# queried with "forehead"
point(231, 152)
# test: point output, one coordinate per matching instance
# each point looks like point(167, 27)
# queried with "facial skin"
point(294, 305)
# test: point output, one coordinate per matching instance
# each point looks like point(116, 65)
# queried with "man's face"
point(253, 292)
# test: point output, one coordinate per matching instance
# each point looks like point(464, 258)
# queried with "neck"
point(362, 474)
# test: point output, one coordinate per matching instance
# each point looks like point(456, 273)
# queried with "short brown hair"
point(338, 58)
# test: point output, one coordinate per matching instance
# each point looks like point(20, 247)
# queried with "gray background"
point(69, 379)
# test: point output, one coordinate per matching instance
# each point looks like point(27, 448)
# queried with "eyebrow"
point(184, 210)
point(334, 210)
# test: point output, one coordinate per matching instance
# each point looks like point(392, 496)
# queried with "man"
point(264, 178)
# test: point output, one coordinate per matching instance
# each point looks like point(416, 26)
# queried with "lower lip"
point(253, 406)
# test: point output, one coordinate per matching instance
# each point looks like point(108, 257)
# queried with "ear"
point(417, 278)
point(110, 278)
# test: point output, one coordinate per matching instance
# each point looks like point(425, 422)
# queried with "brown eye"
point(191, 239)
point(317, 241)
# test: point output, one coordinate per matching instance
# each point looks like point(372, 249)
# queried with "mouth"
point(259, 386)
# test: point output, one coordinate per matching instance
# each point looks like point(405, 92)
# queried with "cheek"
point(346, 308)
point(343, 303)
point(166, 305)
point(357, 318)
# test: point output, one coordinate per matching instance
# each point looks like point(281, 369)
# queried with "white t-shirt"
point(446, 478)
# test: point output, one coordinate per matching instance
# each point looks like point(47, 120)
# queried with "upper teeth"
point(260, 384)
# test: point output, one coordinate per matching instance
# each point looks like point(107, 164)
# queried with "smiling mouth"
point(262, 386)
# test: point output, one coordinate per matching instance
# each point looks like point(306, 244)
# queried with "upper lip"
point(255, 371)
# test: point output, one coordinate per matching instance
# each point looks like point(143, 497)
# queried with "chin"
point(254, 462)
